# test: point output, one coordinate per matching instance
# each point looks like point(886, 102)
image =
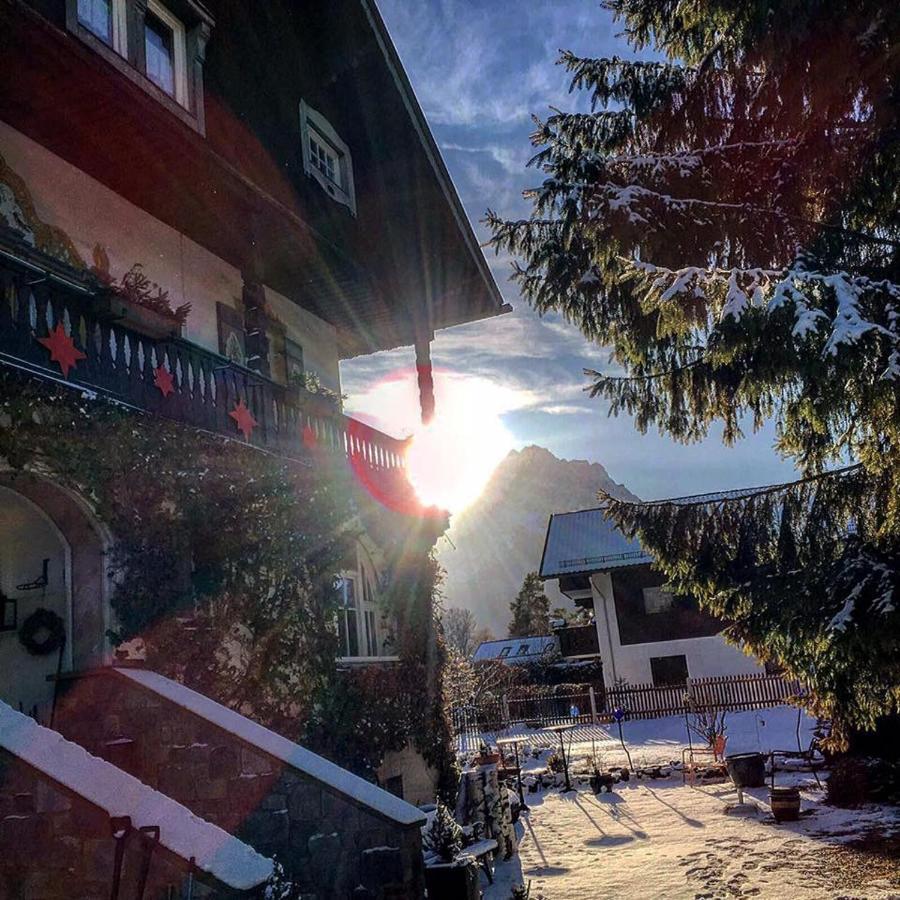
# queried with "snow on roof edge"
point(215, 851)
point(317, 767)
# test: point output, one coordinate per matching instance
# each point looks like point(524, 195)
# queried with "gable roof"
point(584, 542)
point(518, 649)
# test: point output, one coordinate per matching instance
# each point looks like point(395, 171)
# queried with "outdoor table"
point(514, 742)
point(560, 729)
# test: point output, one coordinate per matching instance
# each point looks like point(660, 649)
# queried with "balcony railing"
point(198, 387)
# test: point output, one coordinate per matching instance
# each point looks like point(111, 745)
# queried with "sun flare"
point(449, 461)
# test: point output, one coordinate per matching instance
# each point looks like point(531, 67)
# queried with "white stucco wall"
point(90, 213)
point(27, 538)
point(706, 656)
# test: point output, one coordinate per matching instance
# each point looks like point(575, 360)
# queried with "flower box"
point(149, 322)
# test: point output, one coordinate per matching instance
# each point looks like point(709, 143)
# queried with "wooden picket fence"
point(542, 705)
point(725, 692)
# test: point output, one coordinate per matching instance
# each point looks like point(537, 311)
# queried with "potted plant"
point(136, 301)
point(449, 873)
point(486, 756)
point(314, 397)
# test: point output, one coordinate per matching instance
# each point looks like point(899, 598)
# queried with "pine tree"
point(444, 836)
point(726, 222)
point(530, 610)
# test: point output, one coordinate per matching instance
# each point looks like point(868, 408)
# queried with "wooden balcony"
point(171, 377)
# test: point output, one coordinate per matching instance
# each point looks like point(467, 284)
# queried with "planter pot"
point(453, 881)
point(746, 770)
point(139, 318)
point(487, 759)
point(599, 781)
point(785, 802)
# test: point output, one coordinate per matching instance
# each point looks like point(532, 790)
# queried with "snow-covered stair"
point(58, 838)
point(331, 829)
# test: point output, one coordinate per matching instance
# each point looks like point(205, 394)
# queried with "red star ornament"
point(162, 378)
point(244, 419)
point(62, 349)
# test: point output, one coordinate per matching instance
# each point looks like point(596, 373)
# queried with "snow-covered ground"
point(661, 839)
point(659, 741)
point(658, 838)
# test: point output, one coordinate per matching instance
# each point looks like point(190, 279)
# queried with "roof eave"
point(433, 154)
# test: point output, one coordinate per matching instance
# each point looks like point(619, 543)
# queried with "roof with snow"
point(516, 651)
point(584, 542)
point(117, 793)
point(339, 780)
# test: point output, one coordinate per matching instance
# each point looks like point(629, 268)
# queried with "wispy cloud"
point(481, 68)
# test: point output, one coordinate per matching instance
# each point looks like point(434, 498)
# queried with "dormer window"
point(326, 158)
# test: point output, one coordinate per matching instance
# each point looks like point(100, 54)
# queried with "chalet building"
point(204, 208)
point(646, 635)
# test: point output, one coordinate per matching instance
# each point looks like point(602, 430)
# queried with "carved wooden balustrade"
point(170, 377)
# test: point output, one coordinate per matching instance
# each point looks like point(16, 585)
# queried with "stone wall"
point(54, 845)
point(327, 842)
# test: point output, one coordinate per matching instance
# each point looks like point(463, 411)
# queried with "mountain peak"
point(497, 540)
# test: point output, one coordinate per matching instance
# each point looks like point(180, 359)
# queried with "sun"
point(449, 461)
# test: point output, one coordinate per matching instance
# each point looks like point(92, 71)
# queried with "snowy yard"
point(661, 839)
point(664, 840)
point(657, 741)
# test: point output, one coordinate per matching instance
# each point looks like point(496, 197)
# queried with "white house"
point(645, 633)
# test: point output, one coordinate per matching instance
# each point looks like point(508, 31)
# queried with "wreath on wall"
point(42, 633)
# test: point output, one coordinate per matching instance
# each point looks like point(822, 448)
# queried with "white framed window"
point(157, 49)
point(657, 599)
point(371, 633)
point(106, 21)
point(326, 158)
point(348, 627)
point(165, 55)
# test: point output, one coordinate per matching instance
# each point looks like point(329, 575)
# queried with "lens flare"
point(449, 461)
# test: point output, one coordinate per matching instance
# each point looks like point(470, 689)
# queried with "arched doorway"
point(52, 557)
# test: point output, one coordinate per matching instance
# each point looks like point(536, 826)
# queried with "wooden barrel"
point(785, 804)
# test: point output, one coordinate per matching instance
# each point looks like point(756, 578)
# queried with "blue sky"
point(480, 69)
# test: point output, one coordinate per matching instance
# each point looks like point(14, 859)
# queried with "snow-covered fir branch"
point(733, 291)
